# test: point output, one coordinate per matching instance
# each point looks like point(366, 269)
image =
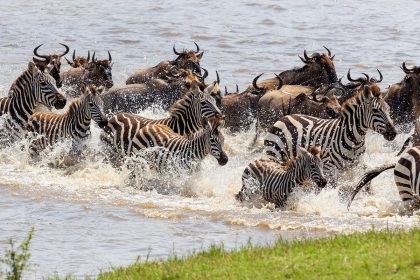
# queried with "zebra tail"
point(405, 145)
point(366, 178)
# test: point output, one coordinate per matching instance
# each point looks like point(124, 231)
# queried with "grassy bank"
point(371, 255)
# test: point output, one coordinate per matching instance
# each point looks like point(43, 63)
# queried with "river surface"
point(91, 217)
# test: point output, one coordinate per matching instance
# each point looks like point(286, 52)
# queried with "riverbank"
point(379, 255)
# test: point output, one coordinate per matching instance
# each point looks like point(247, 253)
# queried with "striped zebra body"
point(176, 148)
point(29, 89)
point(186, 118)
point(342, 140)
point(407, 174)
point(274, 182)
point(406, 177)
point(73, 124)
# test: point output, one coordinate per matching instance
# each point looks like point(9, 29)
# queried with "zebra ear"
point(367, 93)
point(32, 67)
point(83, 88)
point(301, 151)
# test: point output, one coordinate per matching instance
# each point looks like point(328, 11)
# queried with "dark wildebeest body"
point(97, 72)
point(155, 93)
point(319, 69)
point(186, 60)
point(404, 97)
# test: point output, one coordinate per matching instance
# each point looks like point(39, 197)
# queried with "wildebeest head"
point(50, 63)
point(323, 62)
point(404, 96)
point(189, 59)
point(99, 72)
point(79, 61)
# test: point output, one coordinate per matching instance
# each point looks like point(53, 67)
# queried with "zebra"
point(178, 149)
point(342, 140)
point(406, 177)
point(186, 117)
point(73, 124)
point(30, 88)
point(273, 182)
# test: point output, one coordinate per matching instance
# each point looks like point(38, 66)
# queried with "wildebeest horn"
point(93, 57)
point(74, 55)
point(88, 57)
point(66, 51)
point(109, 57)
point(39, 55)
point(280, 81)
point(406, 70)
point(373, 80)
point(329, 52)
point(303, 60)
point(206, 73)
point(175, 52)
point(254, 82)
point(68, 61)
point(360, 80)
point(218, 79)
point(315, 92)
point(367, 77)
point(198, 48)
point(237, 88)
point(307, 58)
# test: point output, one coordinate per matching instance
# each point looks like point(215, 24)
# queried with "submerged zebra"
point(274, 182)
point(73, 124)
point(342, 140)
point(182, 151)
point(30, 88)
point(406, 176)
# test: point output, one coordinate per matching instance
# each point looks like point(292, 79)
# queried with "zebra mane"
point(21, 80)
point(181, 103)
point(75, 103)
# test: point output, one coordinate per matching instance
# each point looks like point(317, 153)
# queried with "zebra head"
point(311, 158)
point(377, 113)
point(45, 84)
point(209, 107)
point(92, 94)
point(217, 140)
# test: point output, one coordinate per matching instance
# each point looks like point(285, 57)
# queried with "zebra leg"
point(36, 146)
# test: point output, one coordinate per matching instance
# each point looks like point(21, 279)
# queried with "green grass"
point(371, 255)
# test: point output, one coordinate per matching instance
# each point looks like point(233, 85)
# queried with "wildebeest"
point(79, 61)
point(292, 99)
point(404, 97)
point(240, 108)
point(158, 93)
point(50, 62)
point(319, 69)
point(186, 60)
point(97, 72)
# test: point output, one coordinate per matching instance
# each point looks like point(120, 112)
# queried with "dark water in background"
point(89, 219)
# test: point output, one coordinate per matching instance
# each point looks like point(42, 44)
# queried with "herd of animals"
point(314, 124)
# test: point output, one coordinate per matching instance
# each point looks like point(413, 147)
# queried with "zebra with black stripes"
point(342, 140)
point(27, 91)
point(186, 117)
point(171, 149)
point(406, 177)
point(273, 182)
point(74, 124)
